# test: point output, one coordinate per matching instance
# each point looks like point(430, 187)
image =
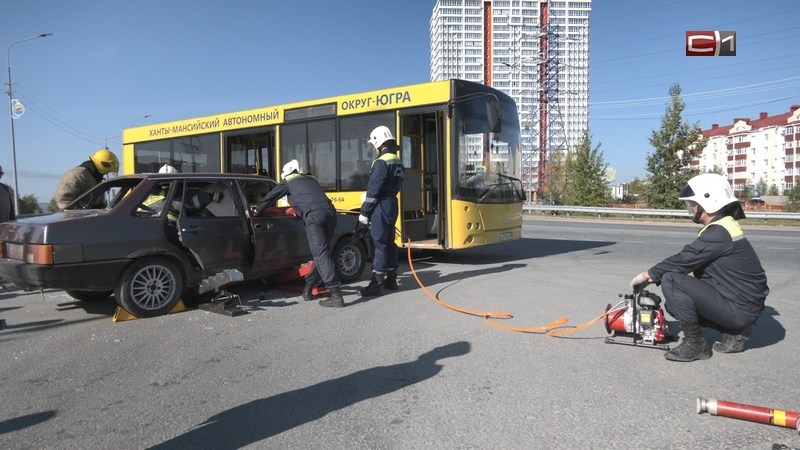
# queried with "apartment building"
point(536, 51)
point(752, 152)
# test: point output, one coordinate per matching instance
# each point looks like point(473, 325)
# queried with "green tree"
point(675, 144)
point(586, 167)
point(637, 192)
point(748, 190)
point(52, 207)
point(773, 190)
point(556, 177)
point(761, 187)
point(793, 200)
point(29, 204)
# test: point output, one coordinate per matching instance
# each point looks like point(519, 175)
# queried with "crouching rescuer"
point(727, 286)
point(306, 196)
point(380, 210)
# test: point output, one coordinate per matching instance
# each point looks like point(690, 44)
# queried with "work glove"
point(362, 219)
point(360, 232)
point(639, 282)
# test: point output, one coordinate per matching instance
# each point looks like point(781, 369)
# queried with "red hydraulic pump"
point(638, 320)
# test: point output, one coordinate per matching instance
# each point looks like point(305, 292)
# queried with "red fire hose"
point(751, 413)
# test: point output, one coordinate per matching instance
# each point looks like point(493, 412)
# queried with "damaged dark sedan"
point(151, 239)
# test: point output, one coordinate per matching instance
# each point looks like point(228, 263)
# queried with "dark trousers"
point(691, 300)
point(382, 232)
point(320, 227)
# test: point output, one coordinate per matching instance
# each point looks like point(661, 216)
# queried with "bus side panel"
point(347, 201)
point(472, 225)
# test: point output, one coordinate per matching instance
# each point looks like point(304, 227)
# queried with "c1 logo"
point(710, 43)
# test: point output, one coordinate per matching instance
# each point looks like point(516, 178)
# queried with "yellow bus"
point(460, 145)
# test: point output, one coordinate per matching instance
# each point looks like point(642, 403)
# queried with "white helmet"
point(289, 167)
point(166, 168)
point(709, 190)
point(380, 135)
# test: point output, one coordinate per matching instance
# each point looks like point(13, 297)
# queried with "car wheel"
point(149, 287)
point(89, 296)
point(350, 259)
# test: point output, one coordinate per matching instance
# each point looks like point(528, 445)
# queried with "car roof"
point(196, 175)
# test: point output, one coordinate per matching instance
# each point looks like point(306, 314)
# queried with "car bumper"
point(96, 276)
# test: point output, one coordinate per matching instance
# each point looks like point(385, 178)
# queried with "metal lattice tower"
point(550, 135)
point(540, 111)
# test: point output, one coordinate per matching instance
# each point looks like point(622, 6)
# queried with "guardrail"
point(633, 212)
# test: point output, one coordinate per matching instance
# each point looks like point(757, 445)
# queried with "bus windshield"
point(487, 162)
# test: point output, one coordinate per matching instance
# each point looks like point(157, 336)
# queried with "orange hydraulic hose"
point(551, 329)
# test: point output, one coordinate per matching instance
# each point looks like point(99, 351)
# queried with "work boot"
point(308, 291)
point(693, 346)
point(334, 300)
point(733, 342)
point(391, 280)
point(375, 286)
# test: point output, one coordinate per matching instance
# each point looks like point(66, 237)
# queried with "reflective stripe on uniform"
point(388, 158)
point(730, 224)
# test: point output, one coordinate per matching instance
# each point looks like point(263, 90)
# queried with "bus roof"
point(414, 95)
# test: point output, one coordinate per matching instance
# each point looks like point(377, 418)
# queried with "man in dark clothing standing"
point(729, 286)
point(7, 213)
point(380, 210)
point(6, 201)
point(311, 204)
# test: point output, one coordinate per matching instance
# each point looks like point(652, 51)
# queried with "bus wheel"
point(350, 259)
point(149, 287)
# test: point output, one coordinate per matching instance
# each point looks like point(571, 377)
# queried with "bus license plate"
point(506, 236)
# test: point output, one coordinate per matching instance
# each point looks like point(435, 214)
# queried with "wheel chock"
point(122, 314)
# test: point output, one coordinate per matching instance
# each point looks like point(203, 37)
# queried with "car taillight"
point(39, 254)
point(30, 253)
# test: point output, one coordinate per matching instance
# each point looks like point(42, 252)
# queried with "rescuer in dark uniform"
point(380, 210)
point(729, 286)
point(311, 204)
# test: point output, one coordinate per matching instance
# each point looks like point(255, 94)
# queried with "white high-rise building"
point(537, 51)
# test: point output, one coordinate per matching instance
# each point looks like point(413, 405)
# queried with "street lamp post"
point(11, 115)
point(140, 118)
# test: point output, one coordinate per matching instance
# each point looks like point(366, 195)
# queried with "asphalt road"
point(403, 371)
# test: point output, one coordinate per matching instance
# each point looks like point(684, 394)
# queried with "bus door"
point(422, 200)
point(251, 152)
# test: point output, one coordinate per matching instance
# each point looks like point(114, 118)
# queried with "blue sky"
point(110, 63)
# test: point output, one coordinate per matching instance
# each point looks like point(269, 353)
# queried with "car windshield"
point(106, 194)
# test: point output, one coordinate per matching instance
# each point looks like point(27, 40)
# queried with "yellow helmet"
point(105, 161)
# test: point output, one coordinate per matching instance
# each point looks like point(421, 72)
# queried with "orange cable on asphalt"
point(551, 329)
